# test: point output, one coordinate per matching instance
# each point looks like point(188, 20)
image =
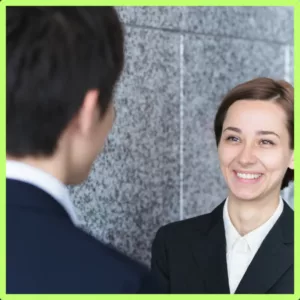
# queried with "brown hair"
point(280, 92)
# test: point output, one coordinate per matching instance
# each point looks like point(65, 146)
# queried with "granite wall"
point(160, 163)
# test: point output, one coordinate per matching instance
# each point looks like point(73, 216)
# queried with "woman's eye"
point(267, 142)
point(232, 138)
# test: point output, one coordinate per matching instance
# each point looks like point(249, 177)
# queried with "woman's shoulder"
point(188, 224)
point(200, 224)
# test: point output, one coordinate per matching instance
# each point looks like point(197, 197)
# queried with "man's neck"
point(50, 165)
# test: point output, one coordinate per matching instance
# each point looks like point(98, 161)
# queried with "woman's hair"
point(280, 92)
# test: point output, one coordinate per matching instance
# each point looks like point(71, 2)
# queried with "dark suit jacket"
point(190, 257)
point(46, 253)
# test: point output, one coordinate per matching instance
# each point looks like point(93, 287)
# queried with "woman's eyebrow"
point(233, 129)
point(267, 132)
point(259, 132)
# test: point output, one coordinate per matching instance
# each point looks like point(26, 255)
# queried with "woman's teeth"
point(248, 176)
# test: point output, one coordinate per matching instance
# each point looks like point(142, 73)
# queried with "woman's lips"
point(248, 177)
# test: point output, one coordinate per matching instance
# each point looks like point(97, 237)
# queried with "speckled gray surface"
point(166, 17)
point(134, 185)
point(291, 64)
point(176, 57)
point(255, 23)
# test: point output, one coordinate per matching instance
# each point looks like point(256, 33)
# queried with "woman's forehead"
point(256, 111)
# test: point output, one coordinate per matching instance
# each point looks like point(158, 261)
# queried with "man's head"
point(62, 67)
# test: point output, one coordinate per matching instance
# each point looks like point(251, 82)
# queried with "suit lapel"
point(273, 258)
point(210, 256)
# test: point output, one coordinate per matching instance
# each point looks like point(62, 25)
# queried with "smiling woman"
point(246, 244)
point(274, 103)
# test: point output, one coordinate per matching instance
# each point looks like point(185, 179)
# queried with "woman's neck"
point(247, 215)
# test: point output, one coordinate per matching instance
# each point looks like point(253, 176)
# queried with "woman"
point(245, 245)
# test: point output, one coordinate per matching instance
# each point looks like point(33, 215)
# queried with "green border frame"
point(3, 3)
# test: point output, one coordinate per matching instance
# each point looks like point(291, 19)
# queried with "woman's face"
point(254, 149)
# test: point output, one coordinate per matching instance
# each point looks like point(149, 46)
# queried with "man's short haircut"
point(54, 56)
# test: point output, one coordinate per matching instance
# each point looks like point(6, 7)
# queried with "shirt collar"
point(231, 233)
point(44, 181)
point(253, 238)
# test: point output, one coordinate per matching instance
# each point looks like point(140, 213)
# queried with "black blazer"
point(189, 256)
point(46, 253)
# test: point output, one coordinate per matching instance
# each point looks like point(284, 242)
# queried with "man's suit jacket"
point(190, 257)
point(46, 253)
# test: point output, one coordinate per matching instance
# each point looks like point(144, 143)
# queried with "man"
point(62, 67)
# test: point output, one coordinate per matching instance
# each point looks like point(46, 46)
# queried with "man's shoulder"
point(118, 267)
point(105, 253)
point(42, 240)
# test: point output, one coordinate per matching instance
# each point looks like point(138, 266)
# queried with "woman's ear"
point(291, 164)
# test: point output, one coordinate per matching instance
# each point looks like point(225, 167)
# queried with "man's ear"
point(89, 112)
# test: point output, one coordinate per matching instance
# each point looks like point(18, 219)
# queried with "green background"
point(5, 3)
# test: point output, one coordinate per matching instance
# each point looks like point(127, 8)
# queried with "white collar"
point(44, 181)
point(253, 238)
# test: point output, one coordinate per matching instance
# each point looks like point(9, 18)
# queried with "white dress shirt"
point(241, 249)
point(44, 181)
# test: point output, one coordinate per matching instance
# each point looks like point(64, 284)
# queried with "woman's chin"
point(245, 194)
